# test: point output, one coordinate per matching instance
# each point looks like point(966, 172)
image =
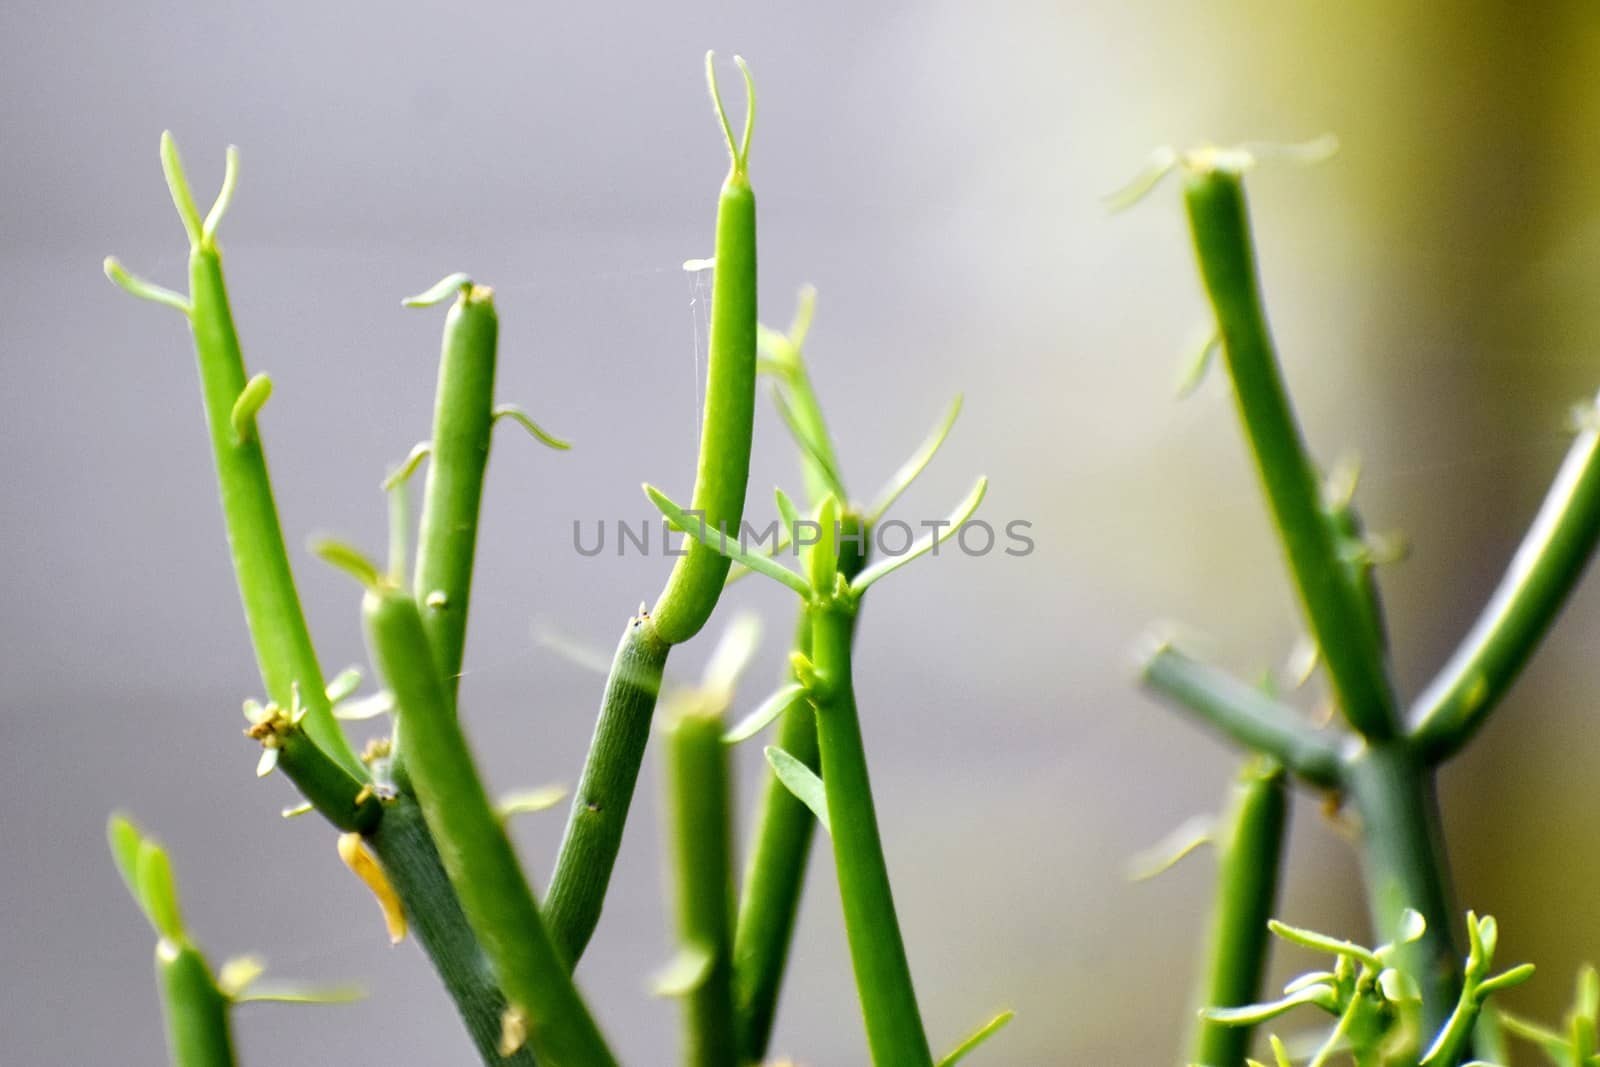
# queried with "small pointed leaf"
point(976, 1038)
point(924, 545)
point(521, 418)
point(125, 839)
point(764, 715)
point(528, 801)
point(727, 546)
point(1165, 854)
point(684, 973)
point(912, 468)
point(158, 890)
point(440, 291)
point(801, 781)
point(1323, 943)
point(344, 685)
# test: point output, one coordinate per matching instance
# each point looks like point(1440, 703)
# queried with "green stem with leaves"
point(199, 1031)
point(1249, 856)
point(702, 849)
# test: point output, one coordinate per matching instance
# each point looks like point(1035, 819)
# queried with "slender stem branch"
point(1248, 863)
point(1245, 715)
point(288, 661)
point(199, 1033)
point(411, 861)
point(877, 951)
point(1543, 573)
point(545, 1005)
point(1405, 866)
point(781, 845)
point(702, 831)
point(723, 472)
point(1341, 620)
point(345, 801)
point(600, 805)
point(462, 421)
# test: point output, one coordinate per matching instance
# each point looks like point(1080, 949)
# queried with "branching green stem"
point(1245, 715)
point(545, 1005)
point(600, 804)
point(1404, 865)
point(702, 831)
point(411, 861)
point(1546, 567)
point(1248, 861)
point(877, 951)
point(1340, 620)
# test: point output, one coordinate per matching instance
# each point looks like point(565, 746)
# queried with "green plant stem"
point(1248, 863)
point(462, 421)
point(702, 831)
point(1340, 621)
point(781, 848)
point(1245, 715)
point(1543, 573)
point(599, 812)
point(1404, 865)
point(284, 651)
point(877, 951)
point(723, 473)
point(411, 861)
point(477, 855)
point(196, 1011)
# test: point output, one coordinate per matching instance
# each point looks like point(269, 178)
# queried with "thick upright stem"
point(600, 806)
point(411, 861)
point(877, 951)
point(196, 1011)
point(1248, 862)
point(702, 832)
point(1340, 617)
point(462, 420)
point(544, 1004)
point(1404, 864)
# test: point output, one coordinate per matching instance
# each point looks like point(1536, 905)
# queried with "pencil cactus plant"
point(416, 822)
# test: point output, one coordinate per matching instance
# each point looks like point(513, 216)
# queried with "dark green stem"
point(1543, 573)
point(877, 951)
point(600, 806)
point(462, 421)
point(1404, 865)
point(545, 1005)
point(1248, 862)
point(702, 831)
point(196, 1011)
point(1340, 618)
point(411, 861)
point(1245, 715)
point(343, 800)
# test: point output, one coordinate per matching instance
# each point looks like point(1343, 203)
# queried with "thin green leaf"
point(348, 559)
point(408, 466)
point(219, 207)
point(276, 993)
point(144, 290)
point(801, 781)
point(125, 839)
point(158, 890)
point(343, 685)
point(977, 1037)
point(815, 452)
point(528, 801)
point(727, 546)
point(1252, 1014)
point(367, 707)
point(1323, 943)
point(924, 545)
point(768, 711)
point(521, 418)
point(787, 512)
point(912, 468)
point(1507, 979)
point(1192, 371)
point(1191, 834)
point(440, 291)
point(1158, 166)
point(822, 561)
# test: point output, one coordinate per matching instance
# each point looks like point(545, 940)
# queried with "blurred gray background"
point(935, 170)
